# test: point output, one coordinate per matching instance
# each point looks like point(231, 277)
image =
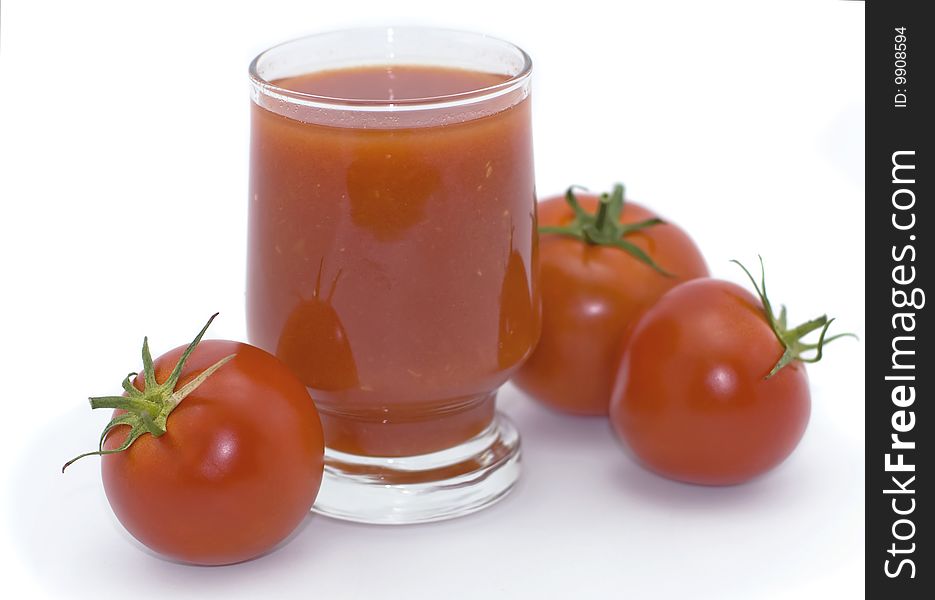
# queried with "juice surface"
point(393, 269)
point(390, 82)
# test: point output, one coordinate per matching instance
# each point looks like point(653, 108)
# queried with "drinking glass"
point(392, 257)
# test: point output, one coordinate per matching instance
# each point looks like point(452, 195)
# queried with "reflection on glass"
point(388, 190)
point(314, 343)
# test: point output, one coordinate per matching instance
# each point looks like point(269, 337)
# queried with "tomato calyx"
point(147, 410)
point(604, 228)
point(791, 338)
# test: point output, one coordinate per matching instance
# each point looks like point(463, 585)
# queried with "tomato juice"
point(392, 261)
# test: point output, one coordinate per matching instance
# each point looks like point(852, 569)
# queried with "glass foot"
point(428, 487)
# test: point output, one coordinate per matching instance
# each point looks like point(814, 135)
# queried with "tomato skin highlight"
point(691, 399)
point(238, 468)
point(591, 297)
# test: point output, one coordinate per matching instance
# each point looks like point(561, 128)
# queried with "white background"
point(123, 171)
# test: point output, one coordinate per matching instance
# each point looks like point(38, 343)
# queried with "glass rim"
point(467, 97)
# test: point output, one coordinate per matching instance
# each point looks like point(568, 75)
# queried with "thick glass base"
point(427, 487)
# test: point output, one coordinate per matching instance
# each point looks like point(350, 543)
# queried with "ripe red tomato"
point(592, 293)
point(237, 469)
point(698, 396)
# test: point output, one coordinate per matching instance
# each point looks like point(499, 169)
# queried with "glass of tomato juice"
point(392, 257)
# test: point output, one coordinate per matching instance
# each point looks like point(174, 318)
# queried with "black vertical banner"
point(900, 366)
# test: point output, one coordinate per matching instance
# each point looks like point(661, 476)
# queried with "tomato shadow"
point(798, 481)
point(555, 442)
point(64, 531)
point(66, 535)
point(646, 486)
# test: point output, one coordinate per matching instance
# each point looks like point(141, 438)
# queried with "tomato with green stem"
point(603, 261)
point(214, 453)
point(712, 388)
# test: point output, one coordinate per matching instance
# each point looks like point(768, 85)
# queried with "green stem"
point(556, 229)
point(793, 346)
point(190, 387)
point(601, 220)
point(604, 228)
point(148, 409)
point(123, 403)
